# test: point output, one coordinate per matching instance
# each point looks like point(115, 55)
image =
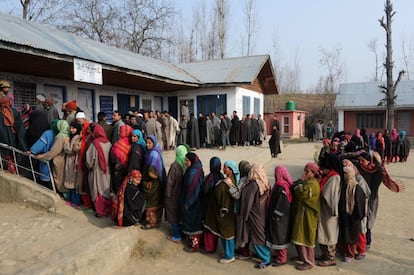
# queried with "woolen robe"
point(220, 218)
point(99, 182)
point(305, 212)
point(57, 155)
point(328, 226)
point(253, 213)
point(172, 193)
point(72, 150)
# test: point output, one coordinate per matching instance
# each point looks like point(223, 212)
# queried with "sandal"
point(261, 265)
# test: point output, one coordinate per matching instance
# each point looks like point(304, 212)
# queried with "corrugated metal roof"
point(368, 94)
point(231, 70)
point(44, 37)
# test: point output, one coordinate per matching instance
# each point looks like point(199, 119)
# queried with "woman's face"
point(150, 144)
point(227, 171)
point(307, 174)
point(136, 180)
point(187, 162)
point(134, 138)
point(73, 130)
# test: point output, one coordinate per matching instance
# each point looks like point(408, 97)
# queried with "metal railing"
point(24, 164)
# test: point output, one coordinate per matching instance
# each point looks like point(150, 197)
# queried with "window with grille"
point(246, 105)
point(370, 120)
point(256, 106)
point(24, 93)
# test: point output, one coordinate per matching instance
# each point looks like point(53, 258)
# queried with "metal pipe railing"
point(20, 166)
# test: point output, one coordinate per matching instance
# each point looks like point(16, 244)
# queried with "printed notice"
point(86, 71)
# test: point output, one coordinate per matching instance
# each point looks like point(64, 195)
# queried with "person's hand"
point(39, 156)
point(67, 139)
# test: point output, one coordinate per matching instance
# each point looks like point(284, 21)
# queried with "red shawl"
point(99, 136)
point(5, 108)
point(325, 179)
point(122, 147)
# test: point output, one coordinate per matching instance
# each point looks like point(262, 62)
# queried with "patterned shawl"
point(99, 136)
point(193, 179)
point(154, 158)
point(215, 175)
point(122, 147)
point(284, 180)
point(258, 174)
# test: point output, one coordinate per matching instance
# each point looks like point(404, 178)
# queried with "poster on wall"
point(86, 71)
point(56, 93)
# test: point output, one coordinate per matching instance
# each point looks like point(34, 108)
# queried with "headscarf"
point(394, 135)
point(154, 158)
point(98, 137)
point(402, 136)
point(136, 174)
point(193, 179)
point(244, 168)
point(215, 175)
point(53, 126)
point(258, 174)
point(233, 166)
point(122, 147)
point(140, 140)
point(351, 184)
point(331, 162)
point(62, 127)
point(5, 108)
point(180, 153)
point(284, 180)
point(312, 166)
point(78, 128)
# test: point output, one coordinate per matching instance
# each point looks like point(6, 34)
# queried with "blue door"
point(127, 103)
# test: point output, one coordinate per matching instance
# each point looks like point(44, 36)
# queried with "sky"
point(302, 27)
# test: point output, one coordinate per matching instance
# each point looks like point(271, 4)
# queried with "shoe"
point(327, 263)
point(261, 265)
point(242, 257)
point(360, 257)
point(304, 266)
point(191, 249)
point(173, 239)
point(226, 261)
point(348, 259)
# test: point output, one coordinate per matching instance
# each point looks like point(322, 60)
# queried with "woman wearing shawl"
point(57, 154)
point(388, 146)
point(99, 176)
point(395, 140)
point(128, 204)
point(154, 178)
point(278, 219)
point(405, 146)
point(330, 193)
point(215, 175)
point(380, 145)
point(191, 201)
point(253, 212)
point(172, 193)
point(137, 153)
point(306, 215)
point(354, 213)
point(119, 157)
point(72, 148)
point(220, 218)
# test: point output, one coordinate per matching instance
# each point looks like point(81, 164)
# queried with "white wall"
point(240, 92)
point(341, 121)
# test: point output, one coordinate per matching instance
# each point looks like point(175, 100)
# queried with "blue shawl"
point(154, 158)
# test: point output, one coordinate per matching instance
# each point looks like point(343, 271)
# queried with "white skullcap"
point(80, 115)
point(140, 115)
point(41, 97)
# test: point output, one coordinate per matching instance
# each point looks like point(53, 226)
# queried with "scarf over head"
point(6, 110)
point(215, 174)
point(351, 183)
point(98, 137)
point(258, 174)
point(244, 168)
point(122, 147)
point(136, 174)
point(284, 180)
point(180, 153)
point(141, 140)
point(402, 136)
point(77, 126)
point(394, 135)
point(193, 179)
point(63, 128)
point(233, 166)
point(153, 158)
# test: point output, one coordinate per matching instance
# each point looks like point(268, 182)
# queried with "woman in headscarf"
point(215, 175)
point(404, 146)
point(72, 149)
point(220, 218)
point(154, 179)
point(172, 193)
point(57, 155)
point(137, 152)
point(191, 201)
point(128, 204)
point(306, 215)
point(330, 193)
point(278, 220)
point(99, 176)
point(119, 157)
point(395, 148)
point(253, 212)
point(354, 213)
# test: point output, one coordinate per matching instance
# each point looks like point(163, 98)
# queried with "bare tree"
point(407, 57)
point(222, 13)
point(43, 11)
point(372, 45)
point(250, 24)
point(335, 66)
point(389, 89)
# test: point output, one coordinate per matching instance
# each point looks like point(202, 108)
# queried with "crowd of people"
point(118, 171)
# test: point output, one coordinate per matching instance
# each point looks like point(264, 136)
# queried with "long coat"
point(172, 193)
point(71, 149)
point(57, 155)
point(328, 226)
